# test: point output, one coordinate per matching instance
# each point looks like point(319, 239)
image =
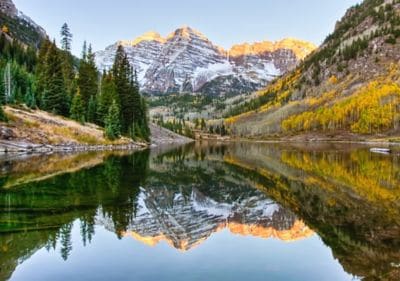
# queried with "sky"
point(224, 22)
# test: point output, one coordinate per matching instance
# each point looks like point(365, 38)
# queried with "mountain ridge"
point(244, 48)
point(187, 61)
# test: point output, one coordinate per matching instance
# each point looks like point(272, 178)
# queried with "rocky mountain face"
point(342, 88)
point(19, 25)
point(184, 223)
point(187, 61)
point(8, 7)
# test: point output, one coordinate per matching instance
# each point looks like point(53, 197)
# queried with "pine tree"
point(112, 123)
point(77, 109)
point(55, 97)
point(68, 61)
point(30, 99)
point(84, 51)
point(41, 73)
point(121, 73)
point(88, 76)
point(66, 38)
point(108, 93)
point(133, 107)
point(91, 112)
point(145, 120)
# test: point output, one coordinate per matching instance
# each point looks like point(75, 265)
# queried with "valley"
point(178, 156)
point(346, 89)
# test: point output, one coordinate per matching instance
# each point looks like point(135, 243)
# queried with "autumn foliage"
point(374, 108)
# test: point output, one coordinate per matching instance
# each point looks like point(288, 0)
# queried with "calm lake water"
point(202, 212)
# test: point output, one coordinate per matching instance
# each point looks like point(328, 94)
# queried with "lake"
point(240, 211)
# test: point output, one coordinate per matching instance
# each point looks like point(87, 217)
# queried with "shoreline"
point(366, 142)
point(11, 147)
point(309, 139)
point(371, 143)
point(17, 147)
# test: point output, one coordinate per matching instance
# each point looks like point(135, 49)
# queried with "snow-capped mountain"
point(186, 61)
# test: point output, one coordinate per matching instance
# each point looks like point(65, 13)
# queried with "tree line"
point(53, 80)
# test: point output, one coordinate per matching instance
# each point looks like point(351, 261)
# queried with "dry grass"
point(41, 127)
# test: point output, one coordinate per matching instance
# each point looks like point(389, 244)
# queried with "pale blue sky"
point(225, 22)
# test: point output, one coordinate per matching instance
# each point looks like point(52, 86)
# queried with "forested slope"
point(350, 85)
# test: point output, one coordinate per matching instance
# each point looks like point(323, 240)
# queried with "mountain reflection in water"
point(349, 197)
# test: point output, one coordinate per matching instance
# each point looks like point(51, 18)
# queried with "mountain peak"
point(148, 36)
point(187, 32)
point(186, 61)
point(299, 47)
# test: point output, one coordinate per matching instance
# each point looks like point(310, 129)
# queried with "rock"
point(8, 7)
point(6, 133)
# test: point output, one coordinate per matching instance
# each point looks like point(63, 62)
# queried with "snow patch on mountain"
point(186, 61)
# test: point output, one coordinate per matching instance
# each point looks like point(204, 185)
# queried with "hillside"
point(19, 26)
point(39, 130)
point(186, 61)
point(348, 87)
point(36, 130)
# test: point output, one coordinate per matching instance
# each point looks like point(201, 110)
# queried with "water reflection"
point(347, 195)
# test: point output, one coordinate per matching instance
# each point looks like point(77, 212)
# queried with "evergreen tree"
point(108, 93)
point(66, 38)
point(134, 119)
point(91, 112)
point(77, 109)
point(30, 99)
point(41, 73)
point(121, 73)
point(68, 61)
point(84, 51)
point(55, 97)
point(88, 76)
point(145, 121)
point(112, 122)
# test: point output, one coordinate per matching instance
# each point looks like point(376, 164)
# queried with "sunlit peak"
point(148, 36)
point(187, 32)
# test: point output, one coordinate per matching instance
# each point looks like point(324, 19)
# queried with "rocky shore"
point(21, 146)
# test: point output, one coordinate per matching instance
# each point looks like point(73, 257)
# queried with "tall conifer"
point(107, 94)
point(88, 76)
point(55, 97)
point(112, 122)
